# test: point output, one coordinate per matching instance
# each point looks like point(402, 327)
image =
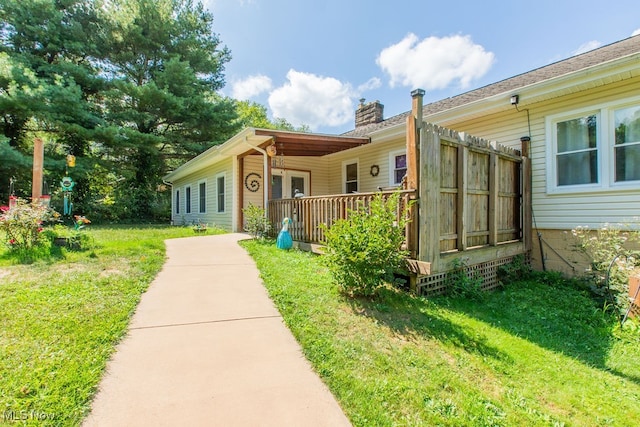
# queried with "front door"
point(285, 184)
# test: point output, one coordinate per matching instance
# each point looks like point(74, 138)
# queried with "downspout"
point(265, 172)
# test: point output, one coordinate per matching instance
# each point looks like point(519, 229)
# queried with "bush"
point(23, 223)
point(463, 283)
point(364, 251)
point(515, 270)
point(257, 223)
point(610, 260)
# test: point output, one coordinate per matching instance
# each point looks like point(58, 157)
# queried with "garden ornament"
point(284, 238)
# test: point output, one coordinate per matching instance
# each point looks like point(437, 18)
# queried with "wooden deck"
point(473, 207)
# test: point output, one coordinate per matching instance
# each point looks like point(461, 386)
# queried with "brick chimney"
point(369, 113)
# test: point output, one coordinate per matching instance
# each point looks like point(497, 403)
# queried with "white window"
point(220, 193)
point(595, 149)
point(177, 201)
point(397, 167)
point(577, 150)
point(202, 197)
point(187, 201)
point(350, 176)
point(627, 143)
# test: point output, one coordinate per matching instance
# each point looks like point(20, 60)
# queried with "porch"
point(310, 214)
point(472, 208)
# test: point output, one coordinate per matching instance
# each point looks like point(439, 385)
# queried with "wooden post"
point(240, 190)
point(414, 160)
point(429, 213)
point(267, 180)
point(414, 126)
point(38, 167)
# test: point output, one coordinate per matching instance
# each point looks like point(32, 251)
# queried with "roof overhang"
point(252, 141)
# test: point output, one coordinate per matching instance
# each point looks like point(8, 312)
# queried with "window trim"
point(605, 146)
point(222, 175)
point(346, 163)
point(177, 202)
point(392, 166)
point(200, 207)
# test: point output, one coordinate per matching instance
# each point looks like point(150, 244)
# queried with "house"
point(579, 119)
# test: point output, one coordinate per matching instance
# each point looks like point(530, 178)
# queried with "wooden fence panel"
point(479, 195)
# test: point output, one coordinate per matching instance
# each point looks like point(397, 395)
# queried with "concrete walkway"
point(207, 347)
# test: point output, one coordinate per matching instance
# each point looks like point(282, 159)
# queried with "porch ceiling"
point(306, 144)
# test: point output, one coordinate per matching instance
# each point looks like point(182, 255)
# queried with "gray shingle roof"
point(573, 64)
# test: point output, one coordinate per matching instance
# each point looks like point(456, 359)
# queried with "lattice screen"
point(436, 284)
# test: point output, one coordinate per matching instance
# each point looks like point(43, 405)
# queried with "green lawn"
point(534, 354)
point(62, 317)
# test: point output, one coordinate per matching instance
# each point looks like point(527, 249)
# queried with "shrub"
point(516, 269)
point(23, 223)
point(610, 259)
point(257, 223)
point(363, 251)
point(463, 283)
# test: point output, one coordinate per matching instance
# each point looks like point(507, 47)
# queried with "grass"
point(63, 315)
point(534, 354)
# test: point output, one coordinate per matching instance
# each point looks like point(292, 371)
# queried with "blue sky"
point(311, 61)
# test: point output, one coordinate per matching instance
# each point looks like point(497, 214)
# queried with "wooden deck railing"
point(308, 213)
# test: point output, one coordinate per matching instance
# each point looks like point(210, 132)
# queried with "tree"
point(252, 114)
point(166, 65)
point(48, 78)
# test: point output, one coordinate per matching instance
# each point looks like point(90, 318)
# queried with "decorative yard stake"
point(284, 238)
point(67, 185)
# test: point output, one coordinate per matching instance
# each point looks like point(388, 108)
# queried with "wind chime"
point(67, 185)
point(277, 156)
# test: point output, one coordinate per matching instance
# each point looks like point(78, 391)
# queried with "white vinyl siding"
point(253, 167)
point(207, 175)
point(369, 155)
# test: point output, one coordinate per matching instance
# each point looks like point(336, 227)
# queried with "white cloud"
point(250, 87)
point(371, 84)
point(636, 32)
point(312, 100)
point(586, 47)
point(434, 63)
